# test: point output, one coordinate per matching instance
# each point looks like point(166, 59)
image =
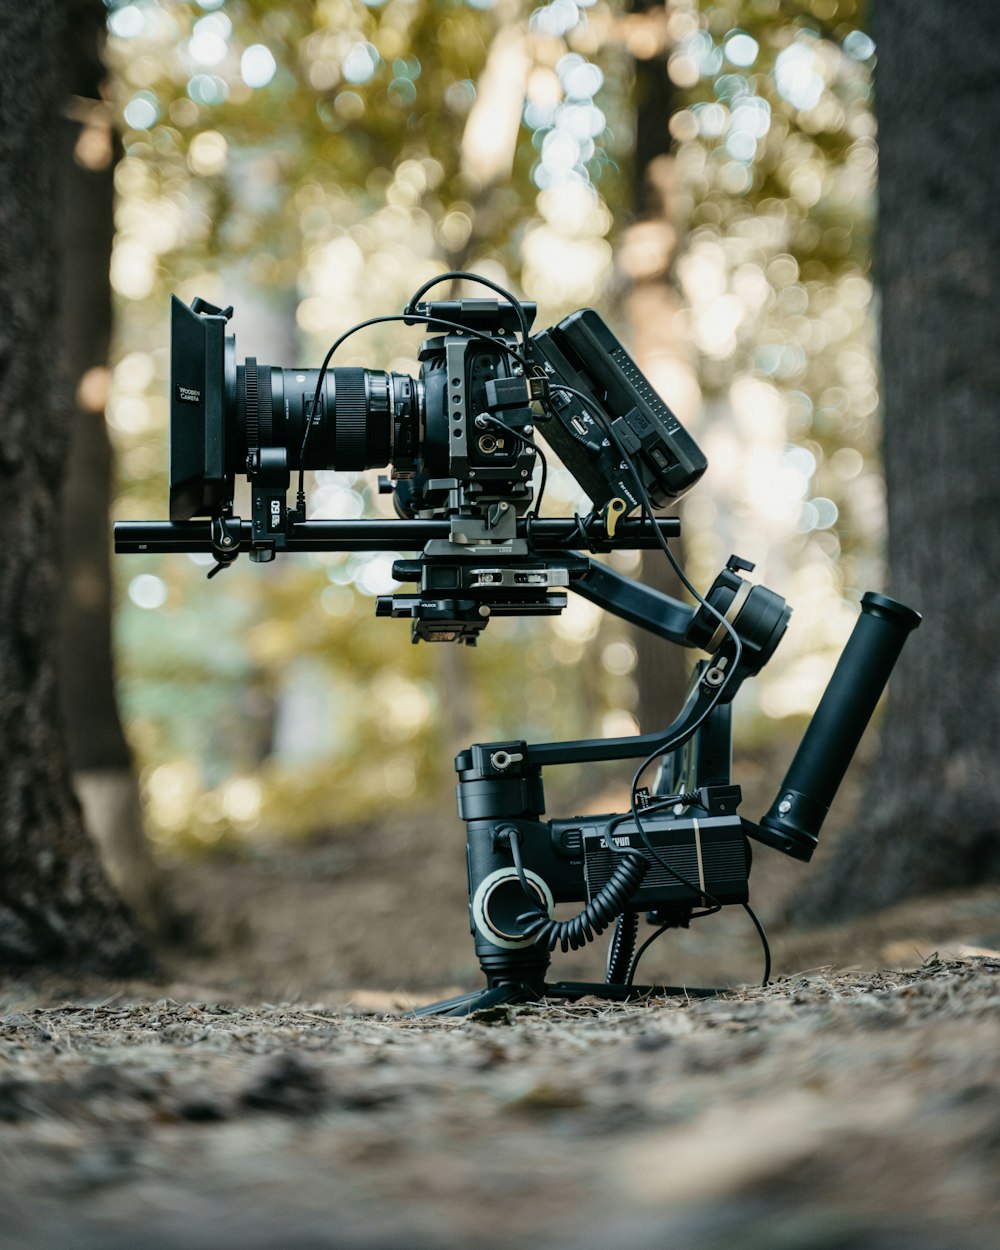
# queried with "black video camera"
point(459, 440)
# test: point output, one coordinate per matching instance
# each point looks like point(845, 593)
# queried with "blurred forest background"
point(703, 174)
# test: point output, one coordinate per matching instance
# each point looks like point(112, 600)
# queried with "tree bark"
point(99, 758)
point(931, 819)
point(56, 906)
point(661, 670)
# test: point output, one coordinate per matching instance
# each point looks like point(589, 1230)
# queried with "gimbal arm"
point(755, 615)
point(639, 605)
point(496, 758)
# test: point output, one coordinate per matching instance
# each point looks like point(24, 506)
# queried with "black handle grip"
point(793, 823)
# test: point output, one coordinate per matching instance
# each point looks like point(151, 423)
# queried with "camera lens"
point(364, 418)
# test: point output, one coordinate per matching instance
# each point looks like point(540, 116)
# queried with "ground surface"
point(824, 1113)
point(262, 1096)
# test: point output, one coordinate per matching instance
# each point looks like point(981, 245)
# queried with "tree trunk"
point(56, 906)
point(99, 758)
point(931, 819)
point(648, 256)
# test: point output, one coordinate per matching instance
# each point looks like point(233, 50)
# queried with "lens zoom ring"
point(351, 421)
point(265, 411)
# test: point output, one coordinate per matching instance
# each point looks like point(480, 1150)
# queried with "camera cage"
point(682, 850)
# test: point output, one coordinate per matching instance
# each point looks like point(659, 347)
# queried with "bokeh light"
point(257, 65)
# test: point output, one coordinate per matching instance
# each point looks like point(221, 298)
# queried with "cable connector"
point(720, 800)
point(516, 392)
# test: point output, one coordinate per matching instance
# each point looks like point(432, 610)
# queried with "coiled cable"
point(607, 904)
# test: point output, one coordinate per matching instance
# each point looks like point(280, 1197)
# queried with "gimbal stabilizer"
point(461, 441)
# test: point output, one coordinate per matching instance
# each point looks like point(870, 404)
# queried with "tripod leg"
point(478, 1000)
point(573, 990)
point(622, 947)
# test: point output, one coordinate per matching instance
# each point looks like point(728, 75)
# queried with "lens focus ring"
point(250, 378)
point(362, 433)
point(265, 413)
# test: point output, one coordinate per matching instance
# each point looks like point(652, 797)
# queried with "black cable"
point(604, 422)
point(633, 966)
point(664, 927)
point(763, 940)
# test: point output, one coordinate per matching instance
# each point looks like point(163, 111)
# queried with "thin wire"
point(671, 744)
point(666, 748)
point(634, 965)
point(603, 421)
point(763, 939)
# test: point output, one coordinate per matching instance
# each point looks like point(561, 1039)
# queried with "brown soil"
point(831, 1111)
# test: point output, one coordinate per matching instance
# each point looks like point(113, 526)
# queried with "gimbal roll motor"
point(461, 442)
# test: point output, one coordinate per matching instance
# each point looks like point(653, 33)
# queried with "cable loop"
point(610, 901)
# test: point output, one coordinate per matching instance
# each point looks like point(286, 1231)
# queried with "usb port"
point(579, 426)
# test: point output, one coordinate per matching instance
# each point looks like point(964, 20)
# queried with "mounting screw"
point(502, 760)
point(785, 806)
